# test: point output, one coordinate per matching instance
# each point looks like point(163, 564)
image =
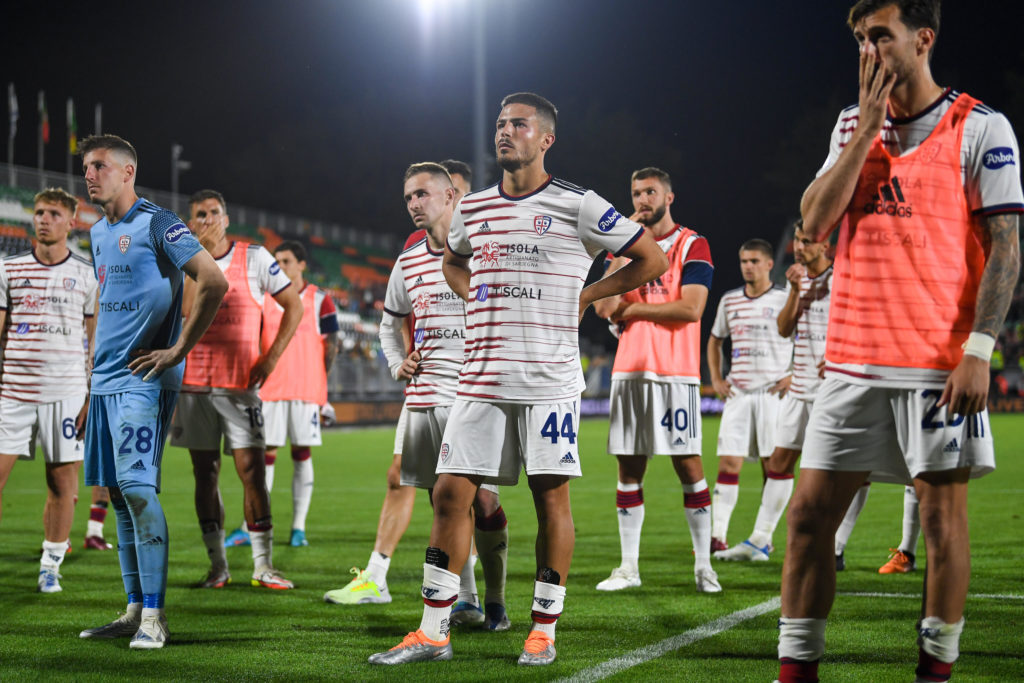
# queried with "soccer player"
point(655, 401)
point(295, 390)
point(139, 251)
point(219, 390)
point(758, 377)
point(518, 253)
point(925, 184)
point(370, 585)
point(47, 304)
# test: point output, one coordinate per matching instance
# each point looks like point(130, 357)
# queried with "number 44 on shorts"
point(550, 428)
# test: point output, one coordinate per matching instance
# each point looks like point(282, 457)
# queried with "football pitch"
point(662, 630)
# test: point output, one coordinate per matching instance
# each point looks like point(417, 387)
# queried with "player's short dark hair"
point(545, 110)
point(914, 14)
point(652, 172)
point(57, 195)
point(758, 244)
point(454, 166)
point(433, 168)
point(203, 195)
point(112, 142)
point(293, 246)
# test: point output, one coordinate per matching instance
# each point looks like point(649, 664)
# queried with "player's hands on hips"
point(154, 361)
point(410, 366)
point(795, 273)
point(966, 391)
point(781, 388)
point(261, 370)
point(876, 82)
point(80, 420)
point(722, 388)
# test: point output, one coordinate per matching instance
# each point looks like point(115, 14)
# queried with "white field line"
point(645, 654)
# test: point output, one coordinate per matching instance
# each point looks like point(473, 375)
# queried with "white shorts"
point(792, 425)
point(403, 418)
point(298, 421)
point(654, 418)
point(202, 419)
point(748, 424)
point(497, 440)
point(423, 432)
point(52, 424)
point(896, 434)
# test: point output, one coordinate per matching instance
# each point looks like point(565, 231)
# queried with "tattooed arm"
point(966, 389)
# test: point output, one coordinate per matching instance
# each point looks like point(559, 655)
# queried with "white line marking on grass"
point(645, 654)
point(982, 596)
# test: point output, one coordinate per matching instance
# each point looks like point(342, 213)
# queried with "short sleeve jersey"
point(811, 331)
point(417, 287)
point(44, 356)
point(529, 258)
point(760, 355)
point(138, 263)
point(262, 271)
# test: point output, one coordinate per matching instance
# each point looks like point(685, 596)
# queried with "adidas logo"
point(429, 593)
point(700, 511)
point(678, 442)
point(567, 459)
point(419, 281)
point(624, 512)
point(26, 283)
point(889, 200)
point(952, 447)
point(501, 546)
point(138, 466)
point(484, 227)
point(156, 540)
point(545, 603)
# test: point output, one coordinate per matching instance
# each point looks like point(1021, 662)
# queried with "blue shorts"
point(125, 436)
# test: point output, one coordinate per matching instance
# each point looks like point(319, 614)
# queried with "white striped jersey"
point(760, 355)
point(811, 330)
point(44, 354)
point(530, 256)
point(417, 286)
point(262, 271)
point(988, 151)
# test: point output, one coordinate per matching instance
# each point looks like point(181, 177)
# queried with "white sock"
point(270, 477)
point(722, 505)
point(467, 582)
point(492, 545)
point(377, 566)
point(53, 554)
point(302, 491)
point(155, 612)
point(93, 528)
point(548, 602)
point(262, 549)
point(697, 503)
point(911, 521)
point(133, 610)
point(850, 520)
point(801, 639)
point(442, 587)
point(939, 639)
point(629, 503)
point(774, 498)
point(214, 542)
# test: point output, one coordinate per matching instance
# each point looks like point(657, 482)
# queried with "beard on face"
point(657, 214)
point(512, 164)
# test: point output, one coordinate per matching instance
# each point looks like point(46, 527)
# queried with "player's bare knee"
point(486, 503)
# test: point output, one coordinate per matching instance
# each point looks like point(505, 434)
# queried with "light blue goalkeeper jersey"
point(138, 263)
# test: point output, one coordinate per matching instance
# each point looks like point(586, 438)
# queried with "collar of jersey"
point(516, 198)
point(127, 216)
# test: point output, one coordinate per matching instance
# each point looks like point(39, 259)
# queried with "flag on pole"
point(44, 119)
point(72, 128)
point(12, 107)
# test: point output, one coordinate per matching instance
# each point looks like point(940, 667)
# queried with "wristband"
point(979, 345)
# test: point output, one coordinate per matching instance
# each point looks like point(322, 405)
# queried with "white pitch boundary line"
point(645, 654)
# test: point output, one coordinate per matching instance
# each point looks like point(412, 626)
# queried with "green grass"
point(253, 634)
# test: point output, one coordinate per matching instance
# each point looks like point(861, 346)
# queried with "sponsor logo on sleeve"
point(997, 157)
point(481, 292)
point(609, 219)
point(124, 241)
point(275, 268)
point(175, 233)
point(541, 224)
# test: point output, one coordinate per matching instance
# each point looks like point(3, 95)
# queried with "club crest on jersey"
point(541, 224)
point(489, 254)
point(481, 292)
point(422, 304)
point(69, 283)
point(445, 452)
point(123, 242)
point(418, 335)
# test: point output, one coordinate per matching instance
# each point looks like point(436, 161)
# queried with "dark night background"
point(315, 107)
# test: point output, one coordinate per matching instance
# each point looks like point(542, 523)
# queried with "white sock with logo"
point(53, 554)
point(377, 567)
point(629, 504)
point(440, 590)
point(548, 602)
